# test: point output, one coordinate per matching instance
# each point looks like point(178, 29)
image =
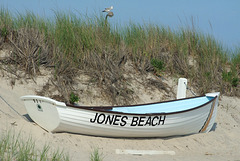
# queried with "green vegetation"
point(95, 156)
point(73, 98)
point(231, 78)
point(69, 44)
point(158, 65)
point(14, 147)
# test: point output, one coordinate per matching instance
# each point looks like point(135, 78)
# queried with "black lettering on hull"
point(122, 120)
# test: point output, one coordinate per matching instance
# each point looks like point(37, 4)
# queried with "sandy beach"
point(222, 143)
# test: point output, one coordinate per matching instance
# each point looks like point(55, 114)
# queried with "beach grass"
point(16, 147)
point(95, 155)
point(70, 43)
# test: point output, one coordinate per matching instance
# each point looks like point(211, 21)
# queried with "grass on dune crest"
point(70, 43)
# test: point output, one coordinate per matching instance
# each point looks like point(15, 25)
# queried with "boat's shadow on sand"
point(213, 127)
point(129, 138)
point(28, 118)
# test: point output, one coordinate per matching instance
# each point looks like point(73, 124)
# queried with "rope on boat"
point(11, 108)
point(190, 89)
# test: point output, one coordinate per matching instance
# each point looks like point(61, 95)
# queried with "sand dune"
point(222, 143)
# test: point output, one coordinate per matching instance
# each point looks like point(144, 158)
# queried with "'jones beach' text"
point(122, 120)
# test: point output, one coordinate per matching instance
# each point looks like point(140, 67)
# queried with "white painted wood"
point(182, 88)
point(144, 152)
point(56, 116)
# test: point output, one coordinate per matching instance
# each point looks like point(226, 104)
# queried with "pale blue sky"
point(223, 15)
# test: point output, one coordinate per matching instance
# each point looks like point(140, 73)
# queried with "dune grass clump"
point(186, 53)
point(96, 156)
point(15, 147)
point(69, 43)
point(73, 98)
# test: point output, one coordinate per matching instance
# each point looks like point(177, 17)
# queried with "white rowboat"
point(162, 119)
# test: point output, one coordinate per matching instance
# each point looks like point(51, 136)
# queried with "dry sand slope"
point(221, 144)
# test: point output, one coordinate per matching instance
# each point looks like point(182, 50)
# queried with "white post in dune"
point(182, 88)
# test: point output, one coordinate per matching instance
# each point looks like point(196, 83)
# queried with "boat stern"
point(212, 113)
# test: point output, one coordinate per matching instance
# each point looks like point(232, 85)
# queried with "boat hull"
point(56, 116)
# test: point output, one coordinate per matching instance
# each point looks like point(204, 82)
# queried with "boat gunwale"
point(105, 108)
